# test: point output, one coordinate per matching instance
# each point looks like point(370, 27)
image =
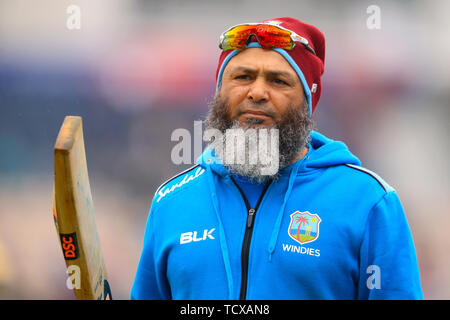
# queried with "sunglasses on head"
point(268, 35)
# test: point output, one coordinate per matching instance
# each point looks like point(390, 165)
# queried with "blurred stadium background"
point(134, 73)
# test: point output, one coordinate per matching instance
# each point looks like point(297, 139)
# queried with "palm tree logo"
point(301, 221)
point(304, 226)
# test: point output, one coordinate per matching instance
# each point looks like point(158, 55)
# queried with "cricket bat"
point(73, 213)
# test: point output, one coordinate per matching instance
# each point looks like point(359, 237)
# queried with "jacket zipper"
point(251, 212)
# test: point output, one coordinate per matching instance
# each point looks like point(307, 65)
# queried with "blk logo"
point(188, 237)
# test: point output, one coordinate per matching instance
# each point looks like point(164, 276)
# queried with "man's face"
point(260, 90)
point(259, 86)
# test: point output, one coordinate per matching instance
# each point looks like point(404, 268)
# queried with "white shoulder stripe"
point(383, 183)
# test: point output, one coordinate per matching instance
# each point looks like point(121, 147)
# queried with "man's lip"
point(256, 113)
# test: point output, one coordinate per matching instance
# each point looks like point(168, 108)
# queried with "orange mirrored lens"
point(236, 37)
point(273, 37)
point(268, 36)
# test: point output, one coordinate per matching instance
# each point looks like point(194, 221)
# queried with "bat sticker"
point(69, 245)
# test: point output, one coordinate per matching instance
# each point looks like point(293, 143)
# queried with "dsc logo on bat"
point(69, 245)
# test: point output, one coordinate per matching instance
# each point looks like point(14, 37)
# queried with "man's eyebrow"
point(243, 69)
point(272, 73)
point(286, 74)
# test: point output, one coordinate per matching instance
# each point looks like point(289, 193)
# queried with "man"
point(318, 226)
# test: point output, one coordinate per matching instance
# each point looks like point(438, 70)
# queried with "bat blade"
point(73, 213)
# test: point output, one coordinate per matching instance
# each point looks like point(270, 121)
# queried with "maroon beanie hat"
point(309, 67)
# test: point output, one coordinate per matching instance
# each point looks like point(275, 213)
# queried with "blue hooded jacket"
point(325, 229)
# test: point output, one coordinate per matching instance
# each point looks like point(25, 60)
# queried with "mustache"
point(268, 111)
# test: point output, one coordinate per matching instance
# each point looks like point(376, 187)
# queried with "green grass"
point(304, 237)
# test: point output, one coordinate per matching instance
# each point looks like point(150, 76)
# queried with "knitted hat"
point(309, 67)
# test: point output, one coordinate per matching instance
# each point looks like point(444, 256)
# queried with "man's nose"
point(258, 91)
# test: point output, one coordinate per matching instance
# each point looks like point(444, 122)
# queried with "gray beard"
point(294, 134)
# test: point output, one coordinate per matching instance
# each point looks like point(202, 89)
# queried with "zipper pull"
point(250, 217)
